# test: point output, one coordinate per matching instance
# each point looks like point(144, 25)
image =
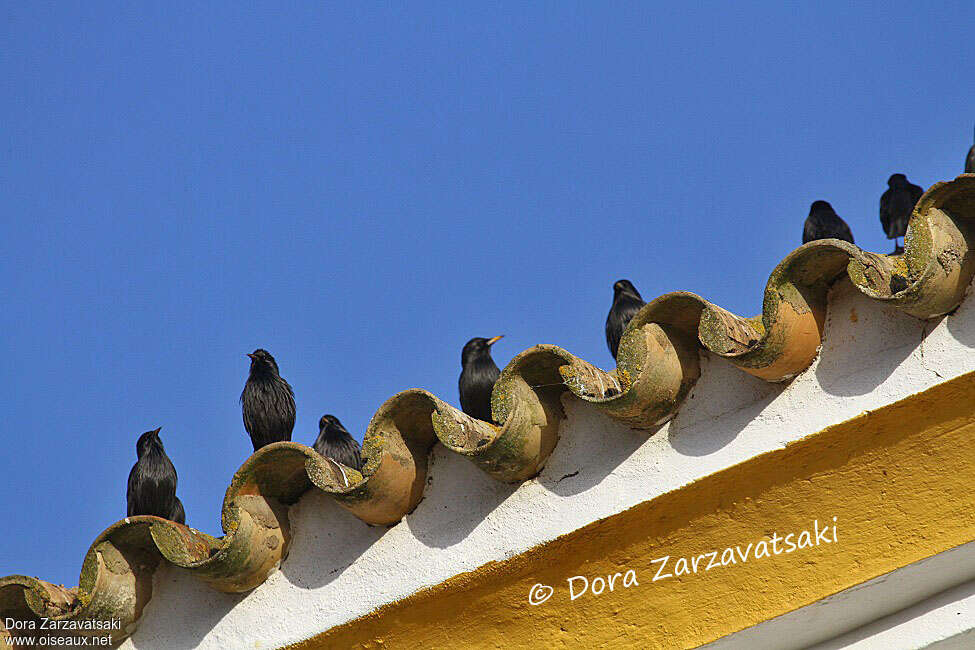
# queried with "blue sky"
point(361, 188)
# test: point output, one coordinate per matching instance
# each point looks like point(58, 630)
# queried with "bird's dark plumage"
point(179, 515)
point(477, 376)
point(152, 481)
point(268, 403)
point(970, 161)
point(824, 223)
point(626, 303)
point(335, 442)
point(896, 206)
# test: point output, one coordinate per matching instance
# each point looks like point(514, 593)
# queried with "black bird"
point(152, 481)
point(179, 515)
point(896, 206)
point(970, 161)
point(477, 376)
point(627, 301)
point(335, 442)
point(824, 223)
point(268, 403)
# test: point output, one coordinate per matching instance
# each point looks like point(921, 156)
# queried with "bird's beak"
point(157, 431)
point(249, 354)
point(494, 340)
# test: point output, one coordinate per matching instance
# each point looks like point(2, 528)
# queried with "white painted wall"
point(340, 569)
point(928, 602)
point(946, 620)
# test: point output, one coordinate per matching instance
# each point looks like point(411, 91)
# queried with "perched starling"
point(626, 303)
point(970, 161)
point(268, 403)
point(152, 481)
point(335, 442)
point(477, 376)
point(179, 515)
point(896, 206)
point(824, 223)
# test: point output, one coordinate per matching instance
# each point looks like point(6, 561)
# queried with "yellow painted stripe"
point(898, 480)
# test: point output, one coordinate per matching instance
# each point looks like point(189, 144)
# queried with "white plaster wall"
point(340, 569)
point(944, 621)
point(925, 603)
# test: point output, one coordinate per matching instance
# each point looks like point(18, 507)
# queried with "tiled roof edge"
point(658, 363)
